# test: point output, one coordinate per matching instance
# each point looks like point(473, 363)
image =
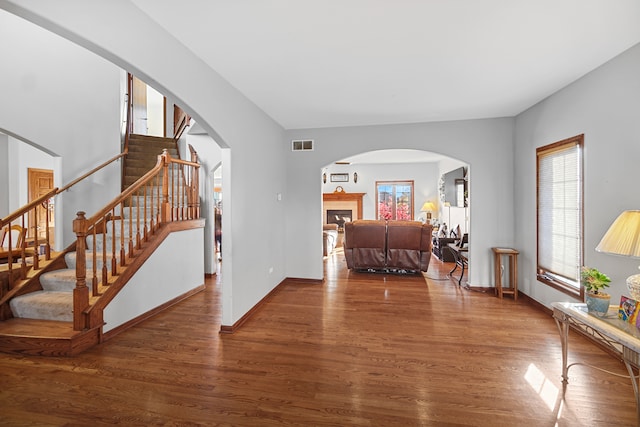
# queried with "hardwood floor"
point(359, 349)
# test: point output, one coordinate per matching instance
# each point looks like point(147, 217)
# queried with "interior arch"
point(358, 174)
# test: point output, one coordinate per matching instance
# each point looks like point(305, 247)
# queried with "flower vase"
point(598, 304)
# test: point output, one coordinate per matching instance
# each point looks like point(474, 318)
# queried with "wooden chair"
point(17, 234)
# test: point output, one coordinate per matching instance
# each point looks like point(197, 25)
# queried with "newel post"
point(165, 210)
point(81, 292)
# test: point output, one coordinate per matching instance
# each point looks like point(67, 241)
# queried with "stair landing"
point(44, 337)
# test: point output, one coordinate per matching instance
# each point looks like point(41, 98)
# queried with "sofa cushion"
point(364, 244)
point(404, 241)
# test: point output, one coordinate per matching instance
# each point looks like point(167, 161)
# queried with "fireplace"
point(339, 216)
point(344, 205)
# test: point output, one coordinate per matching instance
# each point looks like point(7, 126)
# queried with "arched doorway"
point(433, 177)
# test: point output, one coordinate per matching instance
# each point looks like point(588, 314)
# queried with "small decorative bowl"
point(633, 284)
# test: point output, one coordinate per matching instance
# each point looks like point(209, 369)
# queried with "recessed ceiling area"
point(329, 63)
point(394, 156)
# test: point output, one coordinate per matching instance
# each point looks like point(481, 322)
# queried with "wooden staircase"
point(143, 152)
point(55, 307)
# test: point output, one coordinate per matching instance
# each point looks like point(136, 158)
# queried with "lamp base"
point(633, 284)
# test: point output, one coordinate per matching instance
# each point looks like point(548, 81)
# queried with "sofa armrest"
point(364, 244)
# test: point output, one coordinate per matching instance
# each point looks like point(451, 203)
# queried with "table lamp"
point(623, 238)
point(428, 207)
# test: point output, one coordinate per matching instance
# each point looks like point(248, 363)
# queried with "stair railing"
point(32, 251)
point(92, 171)
point(112, 237)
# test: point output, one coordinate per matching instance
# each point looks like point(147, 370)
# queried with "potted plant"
point(594, 283)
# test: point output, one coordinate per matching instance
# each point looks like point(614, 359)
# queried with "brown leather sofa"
point(387, 246)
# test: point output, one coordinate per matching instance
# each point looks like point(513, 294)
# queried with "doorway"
point(43, 221)
point(148, 109)
point(421, 178)
point(217, 212)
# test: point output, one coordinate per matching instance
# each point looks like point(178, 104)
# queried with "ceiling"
point(394, 156)
point(311, 64)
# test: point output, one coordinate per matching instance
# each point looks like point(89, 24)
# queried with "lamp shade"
point(623, 237)
point(428, 207)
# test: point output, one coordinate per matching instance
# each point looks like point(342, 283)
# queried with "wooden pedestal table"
point(512, 254)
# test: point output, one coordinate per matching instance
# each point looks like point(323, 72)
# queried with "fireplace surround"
point(342, 201)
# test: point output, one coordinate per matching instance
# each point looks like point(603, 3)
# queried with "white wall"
point(23, 158)
point(209, 156)
point(605, 106)
point(486, 145)
point(154, 284)
point(4, 176)
point(455, 216)
point(63, 99)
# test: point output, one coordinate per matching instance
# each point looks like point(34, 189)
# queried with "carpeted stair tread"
point(107, 241)
point(70, 259)
point(63, 280)
point(44, 305)
point(134, 224)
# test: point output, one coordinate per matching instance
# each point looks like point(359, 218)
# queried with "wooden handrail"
point(41, 246)
point(31, 209)
point(126, 193)
point(92, 171)
point(26, 208)
point(180, 121)
point(137, 185)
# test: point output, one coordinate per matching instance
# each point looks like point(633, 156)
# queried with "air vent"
point(302, 145)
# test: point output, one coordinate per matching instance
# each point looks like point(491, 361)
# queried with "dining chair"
point(15, 235)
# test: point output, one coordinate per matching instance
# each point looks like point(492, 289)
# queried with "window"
point(560, 236)
point(394, 200)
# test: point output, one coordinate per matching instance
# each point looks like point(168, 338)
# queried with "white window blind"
point(560, 213)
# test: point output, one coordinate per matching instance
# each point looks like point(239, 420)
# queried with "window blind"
point(560, 212)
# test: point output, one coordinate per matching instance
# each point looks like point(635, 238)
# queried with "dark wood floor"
point(360, 349)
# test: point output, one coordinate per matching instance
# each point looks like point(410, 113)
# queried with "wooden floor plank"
point(358, 349)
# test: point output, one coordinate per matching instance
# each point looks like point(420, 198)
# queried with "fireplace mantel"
point(338, 199)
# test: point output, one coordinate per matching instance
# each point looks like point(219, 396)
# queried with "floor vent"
point(302, 145)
